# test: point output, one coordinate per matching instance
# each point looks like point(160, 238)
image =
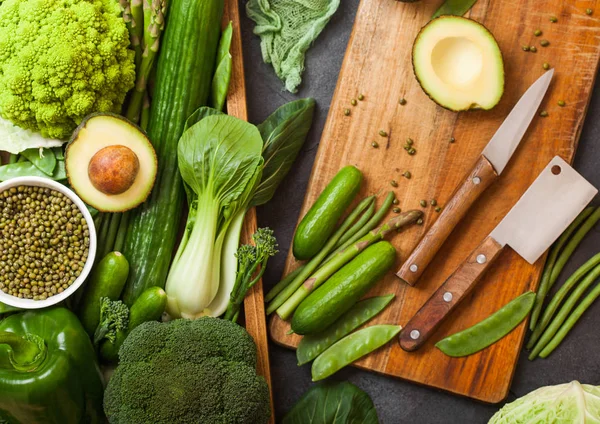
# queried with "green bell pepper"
point(48, 370)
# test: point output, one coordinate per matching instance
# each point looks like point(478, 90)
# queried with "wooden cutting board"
point(254, 303)
point(378, 65)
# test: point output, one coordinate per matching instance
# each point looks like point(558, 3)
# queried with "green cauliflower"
point(187, 372)
point(61, 60)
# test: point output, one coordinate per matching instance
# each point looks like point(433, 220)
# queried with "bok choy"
point(220, 160)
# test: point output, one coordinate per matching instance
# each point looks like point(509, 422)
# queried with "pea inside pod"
point(312, 346)
point(352, 348)
point(490, 330)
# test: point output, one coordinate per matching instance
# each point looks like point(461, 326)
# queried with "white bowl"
point(59, 297)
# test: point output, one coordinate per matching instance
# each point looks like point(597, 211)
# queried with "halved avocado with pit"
point(458, 64)
point(110, 163)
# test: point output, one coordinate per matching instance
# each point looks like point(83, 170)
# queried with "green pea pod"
point(59, 153)
point(42, 159)
point(352, 348)
point(454, 7)
point(490, 330)
point(27, 169)
point(312, 346)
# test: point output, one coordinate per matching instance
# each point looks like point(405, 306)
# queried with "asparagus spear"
point(341, 258)
point(153, 19)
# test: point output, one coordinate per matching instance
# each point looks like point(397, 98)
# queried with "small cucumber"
point(319, 222)
point(343, 289)
point(148, 307)
point(107, 280)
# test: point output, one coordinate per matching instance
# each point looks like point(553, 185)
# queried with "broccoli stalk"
point(114, 317)
point(250, 258)
point(154, 12)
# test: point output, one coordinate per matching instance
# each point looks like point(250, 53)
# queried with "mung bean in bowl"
point(47, 242)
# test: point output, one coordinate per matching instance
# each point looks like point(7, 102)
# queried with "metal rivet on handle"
point(476, 180)
point(447, 297)
point(415, 334)
point(414, 268)
point(481, 259)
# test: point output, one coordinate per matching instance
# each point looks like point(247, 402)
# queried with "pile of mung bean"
point(44, 242)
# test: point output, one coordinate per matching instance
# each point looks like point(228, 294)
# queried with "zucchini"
point(184, 74)
point(107, 280)
point(148, 307)
point(319, 222)
point(343, 289)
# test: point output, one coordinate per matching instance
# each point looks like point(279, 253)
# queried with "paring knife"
point(489, 166)
point(546, 209)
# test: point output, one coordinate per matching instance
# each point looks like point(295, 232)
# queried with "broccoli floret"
point(114, 317)
point(60, 61)
point(201, 371)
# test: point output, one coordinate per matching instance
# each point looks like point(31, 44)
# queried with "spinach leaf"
point(283, 133)
point(333, 403)
point(454, 7)
point(43, 159)
point(222, 77)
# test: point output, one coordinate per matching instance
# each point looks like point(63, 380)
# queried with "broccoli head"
point(188, 372)
point(61, 60)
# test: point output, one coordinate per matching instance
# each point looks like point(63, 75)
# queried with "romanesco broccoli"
point(61, 60)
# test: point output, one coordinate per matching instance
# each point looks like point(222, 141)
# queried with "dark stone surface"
point(400, 401)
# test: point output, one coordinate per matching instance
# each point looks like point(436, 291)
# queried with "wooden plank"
point(254, 303)
point(378, 64)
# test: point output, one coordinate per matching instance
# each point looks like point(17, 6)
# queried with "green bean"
point(571, 321)
point(545, 282)
point(490, 330)
point(352, 348)
point(358, 225)
point(560, 296)
point(42, 159)
point(314, 263)
point(285, 281)
point(372, 223)
point(564, 312)
point(312, 346)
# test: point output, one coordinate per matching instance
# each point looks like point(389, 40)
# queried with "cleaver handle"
point(480, 178)
point(448, 296)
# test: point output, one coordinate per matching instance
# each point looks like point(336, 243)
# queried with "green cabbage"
point(562, 404)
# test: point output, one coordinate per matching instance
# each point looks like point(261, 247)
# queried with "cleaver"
point(546, 209)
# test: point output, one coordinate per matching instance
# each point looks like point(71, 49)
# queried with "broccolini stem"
point(154, 23)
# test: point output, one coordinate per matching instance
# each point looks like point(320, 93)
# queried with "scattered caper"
point(544, 43)
point(452, 140)
point(433, 202)
point(537, 32)
point(412, 152)
point(353, 102)
point(588, 11)
point(394, 183)
point(407, 175)
point(396, 210)
point(562, 103)
point(533, 49)
point(526, 48)
point(402, 101)
point(361, 97)
point(419, 221)
point(546, 66)
point(347, 112)
point(438, 209)
point(423, 203)
point(395, 201)
point(543, 114)
point(383, 133)
point(375, 144)
point(553, 19)
point(409, 141)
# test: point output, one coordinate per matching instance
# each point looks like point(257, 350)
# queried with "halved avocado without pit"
point(458, 64)
point(110, 163)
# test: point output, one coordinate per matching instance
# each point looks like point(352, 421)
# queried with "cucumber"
point(184, 74)
point(343, 289)
point(148, 307)
point(319, 222)
point(107, 280)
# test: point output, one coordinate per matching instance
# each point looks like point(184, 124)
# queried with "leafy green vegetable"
point(222, 77)
point(15, 139)
point(250, 258)
point(284, 133)
point(454, 7)
point(564, 403)
point(43, 159)
point(333, 403)
point(220, 161)
point(27, 169)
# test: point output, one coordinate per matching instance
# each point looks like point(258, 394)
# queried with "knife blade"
point(488, 167)
point(544, 211)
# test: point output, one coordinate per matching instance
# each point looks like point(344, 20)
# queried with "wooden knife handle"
point(445, 299)
point(482, 175)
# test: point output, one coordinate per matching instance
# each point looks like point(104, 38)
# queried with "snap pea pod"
point(42, 159)
point(560, 295)
point(59, 153)
point(351, 348)
point(571, 321)
point(490, 330)
point(564, 312)
point(546, 281)
point(312, 346)
point(27, 169)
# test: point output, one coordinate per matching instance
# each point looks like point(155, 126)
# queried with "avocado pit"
point(113, 169)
